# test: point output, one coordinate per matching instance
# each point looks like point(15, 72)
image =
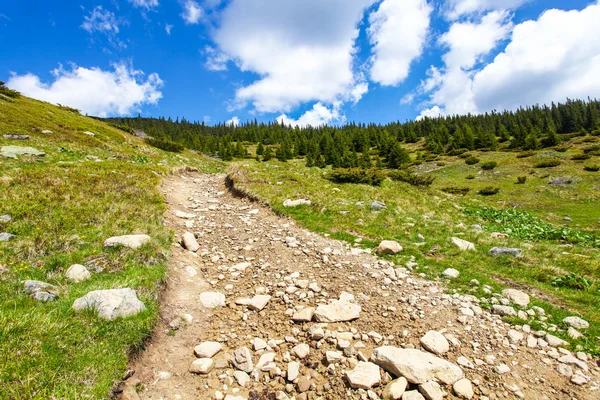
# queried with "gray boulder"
point(5, 236)
point(462, 244)
point(378, 206)
point(111, 304)
point(78, 273)
point(5, 218)
point(131, 241)
point(14, 151)
point(16, 137)
point(517, 297)
point(505, 251)
point(41, 291)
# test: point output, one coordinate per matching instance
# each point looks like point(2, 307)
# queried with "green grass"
point(346, 215)
point(64, 206)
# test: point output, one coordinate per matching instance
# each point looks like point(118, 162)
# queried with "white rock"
point(333, 356)
point(242, 360)
point(415, 365)
point(504, 310)
point(395, 389)
point(517, 297)
point(451, 273)
point(553, 341)
point(78, 273)
point(502, 369)
point(259, 344)
point(364, 376)
point(465, 362)
point(111, 304)
point(340, 310)
point(190, 242)
point(241, 377)
point(212, 299)
point(295, 203)
point(564, 370)
point(463, 389)
point(184, 215)
point(576, 322)
point(293, 370)
point(301, 350)
point(435, 342)
point(202, 366)
point(304, 315)
point(259, 302)
point(207, 349)
point(131, 241)
point(515, 336)
point(412, 395)
point(462, 244)
point(389, 247)
point(431, 390)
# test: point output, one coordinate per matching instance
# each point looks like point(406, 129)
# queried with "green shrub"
point(580, 157)
point(411, 178)
point(592, 168)
point(465, 155)
point(489, 191)
point(165, 144)
point(592, 149)
point(369, 176)
point(562, 149)
point(470, 177)
point(547, 164)
point(457, 152)
point(460, 190)
point(8, 92)
point(472, 160)
point(525, 154)
point(440, 164)
point(521, 180)
point(572, 281)
point(69, 109)
point(489, 165)
point(589, 139)
point(596, 132)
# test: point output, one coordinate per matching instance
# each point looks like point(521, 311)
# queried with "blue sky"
point(300, 61)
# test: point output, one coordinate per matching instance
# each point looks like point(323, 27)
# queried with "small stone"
point(333, 356)
point(212, 299)
point(259, 302)
point(364, 376)
point(5, 218)
point(304, 315)
point(241, 377)
point(378, 206)
point(78, 273)
point(515, 336)
point(578, 380)
point(517, 297)
point(564, 370)
point(451, 273)
point(505, 251)
point(295, 203)
point(395, 389)
point(412, 395)
point(303, 384)
point(293, 370)
point(462, 244)
point(463, 389)
point(502, 369)
point(190, 242)
point(131, 241)
point(389, 247)
point(435, 343)
point(14, 151)
point(301, 350)
point(259, 344)
point(242, 360)
point(431, 390)
point(207, 349)
point(337, 311)
point(5, 236)
point(111, 304)
point(553, 341)
point(576, 322)
point(202, 366)
point(504, 310)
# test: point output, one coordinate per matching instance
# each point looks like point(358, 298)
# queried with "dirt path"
point(245, 250)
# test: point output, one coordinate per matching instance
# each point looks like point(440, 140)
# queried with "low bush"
point(165, 144)
point(525, 154)
point(592, 168)
point(561, 149)
point(521, 180)
point(69, 109)
point(572, 281)
point(589, 139)
point(547, 164)
point(8, 92)
point(470, 177)
point(596, 132)
point(580, 157)
point(411, 178)
point(592, 149)
point(369, 176)
point(460, 190)
point(489, 191)
point(457, 152)
point(465, 155)
point(472, 160)
point(489, 165)
point(440, 164)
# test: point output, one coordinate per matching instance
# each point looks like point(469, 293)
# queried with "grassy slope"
point(435, 214)
point(64, 206)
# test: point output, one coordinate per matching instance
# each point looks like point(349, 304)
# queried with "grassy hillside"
point(63, 206)
point(561, 262)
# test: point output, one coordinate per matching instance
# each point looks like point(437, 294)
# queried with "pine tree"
point(397, 157)
point(268, 154)
point(260, 150)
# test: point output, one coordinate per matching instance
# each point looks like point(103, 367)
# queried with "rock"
point(578, 380)
point(564, 370)
point(389, 247)
point(477, 228)
point(212, 299)
point(576, 322)
point(241, 377)
point(34, 286)
point(435, 342)
point(304, 315)
point(259, 302)
point(184, 215)
point(364, 376)
point(451, 273)
point(501, 369)
point(78, 273)
point(574, 333)
point(517, 297)
point(504, 310)
point(293, 370)
point(16, 137)
point(190, 242)
point(412, 395)
point(207, 349)
point(514, 336)
point(44, 296)
point(92, 134)
point(242, 360)
point(463, 389)
point(131, 241)
point(129, 393)
point(202, 366)
point(14, 151)
point(235, 397)
point(498, 235)
point(462, 244)
point(111, 304)
point(378, 206)
point(295, 203)
point(47, 131)
point(505, 251)
point(465, 362)
point(570, 360)
point(395, 389)
point(5, 236)
point(304, 384)
point(301, 351)
point(337, 311)
point(259, 344)
point(415, 365)
point(431, 390)
point(5, 218)
point(553, 341)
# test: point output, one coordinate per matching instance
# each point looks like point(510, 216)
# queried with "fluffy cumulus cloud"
point(397, 32)
point(94, 91)
point(235, 121)
point(319, 115)
point(147, 4)
point(458, 8)
point(545, 60)
point(302, 51)
point(192, 12)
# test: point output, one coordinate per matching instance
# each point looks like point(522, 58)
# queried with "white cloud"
point(192, 12)
point(93, 91)
point(101, 20)
point(215, 60)
point(359, 91)
point(147, 4)
point(303, 51)
point(458, 8)
point(168, 28)
point(397, 32)
point(235, 121)
point(319, 115)
point(207, 119)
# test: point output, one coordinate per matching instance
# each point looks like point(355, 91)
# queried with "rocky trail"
point(258, 308)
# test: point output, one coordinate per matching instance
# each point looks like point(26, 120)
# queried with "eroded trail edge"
point(266, 310)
